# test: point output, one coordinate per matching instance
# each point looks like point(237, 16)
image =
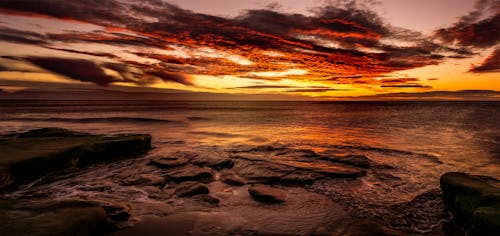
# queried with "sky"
point(252, 49)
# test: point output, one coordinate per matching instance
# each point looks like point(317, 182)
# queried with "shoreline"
point(236, 192)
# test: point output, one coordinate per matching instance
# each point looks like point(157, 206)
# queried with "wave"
point(98, 119)
point(389, 151)
point(215, 134)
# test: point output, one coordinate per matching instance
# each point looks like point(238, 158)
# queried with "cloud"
point(311, 90)
point(264, 87)
point(490, 64)
point(77, 69)
point(480, 95)
point(405, 86)
point(345, 37)
point(473, 29)
point(171, 77)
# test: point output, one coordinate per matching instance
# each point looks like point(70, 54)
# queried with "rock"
point(267, 194)
point(473, 201)
point(27, 156)
point(355, 227)
point(144, 180)
point(261, 171)
point(208, 199)
point(53, 218)
point(190, 188)
point(116, 211)
point(229, 177)
point(191, 173)
point(301, 177)
point(353, 160)
point(168, 162)
point(214, 160)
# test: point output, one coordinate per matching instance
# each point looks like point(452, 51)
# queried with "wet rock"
point(473, 201)
point(353, 160)
point(357, 227)
point(53, 218)
point(116, 211)
point(208, 199)
point(191, 173)
point(229, 177)
point(144, 180)
point(301, 177)
point(190, 188)
point(153, 191)
point(214, 160)
point(266, 194)
point(261, 171)
point(29, 155)
point(168, 162)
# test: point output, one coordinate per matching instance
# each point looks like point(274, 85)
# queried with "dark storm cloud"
point(19, 36)
point(490, 64)
point(77, 69)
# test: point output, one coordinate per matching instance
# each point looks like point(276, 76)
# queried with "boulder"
point(190, 188)
point(27, 156)
point(191, 173)
point(473, 201)
point(266, 194)
point(214, 160)
point(229, 177)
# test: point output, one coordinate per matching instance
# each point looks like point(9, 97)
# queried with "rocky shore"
point(249, 190)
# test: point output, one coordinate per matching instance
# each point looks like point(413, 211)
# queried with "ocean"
point(410, 143)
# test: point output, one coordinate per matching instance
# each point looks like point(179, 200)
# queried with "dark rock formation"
point(28, 155)
point(53, 218)
point(473, 201)
point(190, 188)
point(267, 194)
point(229, 177)
point(191, 173)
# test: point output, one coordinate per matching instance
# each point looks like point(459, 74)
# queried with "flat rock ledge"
point(29, 155)
point(474, 202)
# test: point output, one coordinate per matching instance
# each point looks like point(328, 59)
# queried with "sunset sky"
point(286, 49)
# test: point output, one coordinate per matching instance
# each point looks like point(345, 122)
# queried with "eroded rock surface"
point(474, 202)
point(266, 194)
point(26, 156)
